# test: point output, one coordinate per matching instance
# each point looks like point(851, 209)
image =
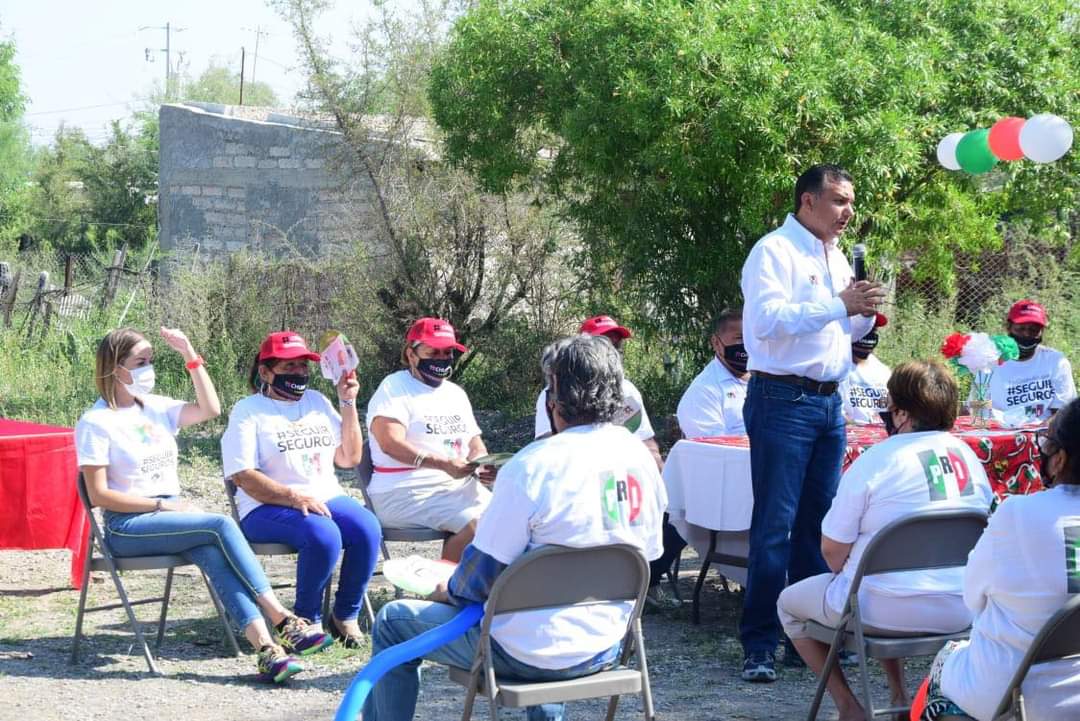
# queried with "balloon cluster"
point(1043, 138)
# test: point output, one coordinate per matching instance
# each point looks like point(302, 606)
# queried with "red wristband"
point(195, 363)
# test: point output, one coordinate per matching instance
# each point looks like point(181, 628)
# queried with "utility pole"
point(167, 27)
point(259, 32)
point(242, 75)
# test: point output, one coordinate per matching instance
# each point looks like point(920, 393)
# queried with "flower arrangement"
point(977, 354)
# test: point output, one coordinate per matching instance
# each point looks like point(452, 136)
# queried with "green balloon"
point(973, 152)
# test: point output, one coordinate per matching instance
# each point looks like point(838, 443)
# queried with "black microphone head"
point(858, 250)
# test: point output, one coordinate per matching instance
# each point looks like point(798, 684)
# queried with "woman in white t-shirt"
point(920, 468)
point(280, 449)
point(1023, 570)
point(127, 453)
point(423, 437)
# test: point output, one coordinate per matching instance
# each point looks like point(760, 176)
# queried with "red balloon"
point(1004, 138)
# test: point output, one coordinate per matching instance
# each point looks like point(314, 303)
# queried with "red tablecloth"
point(1009, 456)
point(37, 483)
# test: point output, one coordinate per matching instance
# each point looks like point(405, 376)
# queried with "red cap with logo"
point(1027, 311)
point(436, 333)
point(286, 345)
point(602, 325)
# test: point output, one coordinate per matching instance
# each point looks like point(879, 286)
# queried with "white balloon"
point(946, 151)
point(1045, 138)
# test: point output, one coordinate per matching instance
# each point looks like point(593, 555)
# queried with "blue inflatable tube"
point(357, 693)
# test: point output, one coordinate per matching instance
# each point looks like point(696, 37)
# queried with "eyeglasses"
point(1048, 442)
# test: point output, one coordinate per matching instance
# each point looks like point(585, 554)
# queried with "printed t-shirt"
point(633, 413)
point(292, 442)
point(437, 420)
point(1026, 391)
point(865, 391)
point(136, 445)
point(713, 403)
point(904, 474)
point(1023, 569)
point(587, 486)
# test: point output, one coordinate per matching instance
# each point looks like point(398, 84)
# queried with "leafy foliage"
point(675, 129)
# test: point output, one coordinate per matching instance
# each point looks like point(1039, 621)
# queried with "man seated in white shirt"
point(713, 404)
point(555, 491)
point(865, 390)
point(1038, 383)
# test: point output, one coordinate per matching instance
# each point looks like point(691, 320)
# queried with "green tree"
point(221, 84)
point(674, 130)
point(14, 145)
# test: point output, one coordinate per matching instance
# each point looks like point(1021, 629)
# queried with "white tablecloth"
point(709, 489)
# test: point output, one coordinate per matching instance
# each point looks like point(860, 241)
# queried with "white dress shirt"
point(794, 322)
point(712, 405)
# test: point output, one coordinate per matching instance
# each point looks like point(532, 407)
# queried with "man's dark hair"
point(588, 380)
point(725, 318)
point(815, 177)
point(1066, 433)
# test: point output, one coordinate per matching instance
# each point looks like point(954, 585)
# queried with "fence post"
point(9, 300)
point(69, 273)
point(36, 303)
point(113, 279)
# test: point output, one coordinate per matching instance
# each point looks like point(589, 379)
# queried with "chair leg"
point(139, 638)
point(705, 563)
point(470, 695)
point(82, 606)
point(643, 665)
point(369, 612)
point(830, 663)
point(673, 577)
point(164, 609)
point(864, 672)
point(326, 597)
point(220, 608)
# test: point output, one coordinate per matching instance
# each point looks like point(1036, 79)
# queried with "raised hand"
point(178, 341)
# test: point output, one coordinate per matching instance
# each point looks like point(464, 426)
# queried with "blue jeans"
point(797, 442)
point(319, 542)
point(394, 697)
point(211, 541)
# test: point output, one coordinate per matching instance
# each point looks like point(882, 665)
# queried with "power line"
point(72, 110)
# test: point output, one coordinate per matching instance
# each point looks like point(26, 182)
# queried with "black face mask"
point(863, 347)
point(290, 385)
point(736, 357)
point(434, 371)
point(1027, 344)
point(890, 425)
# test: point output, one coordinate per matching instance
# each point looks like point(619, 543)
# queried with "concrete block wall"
point(233, 181)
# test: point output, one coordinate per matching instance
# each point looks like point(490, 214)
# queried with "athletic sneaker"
point(759, 667)
point(302, 637)
point(276, 665)
point(656, 599)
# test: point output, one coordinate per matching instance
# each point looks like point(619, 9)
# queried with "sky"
point(83, 63)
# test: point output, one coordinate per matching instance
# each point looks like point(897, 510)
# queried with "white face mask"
point(142, 381)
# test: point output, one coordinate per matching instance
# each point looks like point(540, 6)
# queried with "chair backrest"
point(558, 576)
point(1058, 638)
point(364, 469)
point(230, 493)
point(95, 534)
point(921, 541)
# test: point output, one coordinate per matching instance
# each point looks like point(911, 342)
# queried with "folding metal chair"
point(284, 549)
point(921, 541)
point(585, 576)
point(409, 534)
point(106, 561)
point(1059, 638)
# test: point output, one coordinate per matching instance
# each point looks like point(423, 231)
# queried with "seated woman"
point(1022, 571)
point(280, 449)
point(920, 468)
point(423, 434)
point(127, 452)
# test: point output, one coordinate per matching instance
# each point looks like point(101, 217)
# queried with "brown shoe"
point(347, 633)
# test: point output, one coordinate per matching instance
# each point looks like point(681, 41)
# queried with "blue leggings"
point(319, 541)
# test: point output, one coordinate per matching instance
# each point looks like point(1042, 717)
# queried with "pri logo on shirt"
point(1072, 558)
point(944, 472)
point(621, 501)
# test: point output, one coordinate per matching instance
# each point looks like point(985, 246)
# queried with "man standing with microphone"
point(802, 310)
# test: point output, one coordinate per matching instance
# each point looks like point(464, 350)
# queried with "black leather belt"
point(821, 388)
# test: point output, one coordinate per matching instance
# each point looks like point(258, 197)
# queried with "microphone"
point(858, 261)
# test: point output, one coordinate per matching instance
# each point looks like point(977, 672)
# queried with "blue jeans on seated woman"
point(319, 541)
point(211, 541)
point(393, 698)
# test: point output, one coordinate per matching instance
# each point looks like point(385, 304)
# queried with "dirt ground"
point(694, 669)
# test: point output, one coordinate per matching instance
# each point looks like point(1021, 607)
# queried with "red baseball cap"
point(436, 333)
point(602, 325)
point(1027, 311)
point(286, 345)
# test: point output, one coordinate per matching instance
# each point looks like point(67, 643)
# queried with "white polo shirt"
point(794, 322)
point(713, 404)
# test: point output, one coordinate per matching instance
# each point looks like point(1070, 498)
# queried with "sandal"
point(346, 632)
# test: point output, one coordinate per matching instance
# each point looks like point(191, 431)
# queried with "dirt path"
point(694, 668)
